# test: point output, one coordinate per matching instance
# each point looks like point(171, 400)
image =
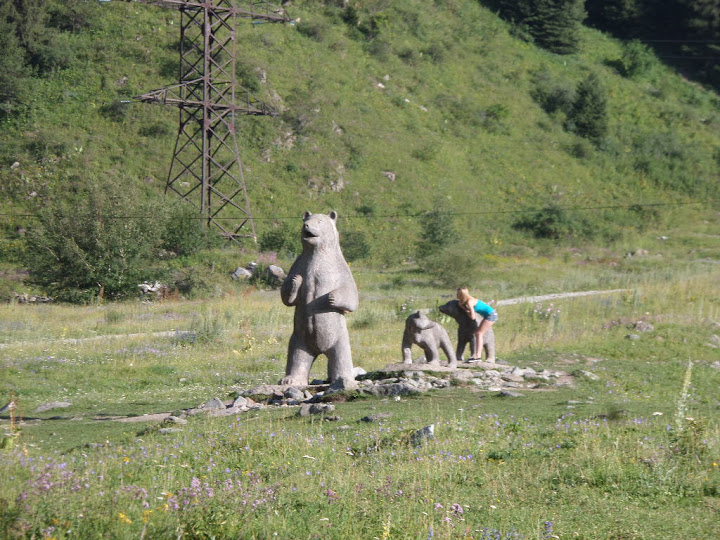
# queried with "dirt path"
point(556, 296)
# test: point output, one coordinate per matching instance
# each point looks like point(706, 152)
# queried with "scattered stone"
point(213, 404)
point(342, 384)
point(358, 372)
point(391, 390)
point(53, 405)
point(376, 417)
point(169, 430)
point(423, 435)
point(586, 374)
point(294, 393)
point(241, 403)
point(275, 275)
point(241, 273)
point(175, 420)
point(310, 409)
point(642, 326)
point(632, 337)
point(511, 394)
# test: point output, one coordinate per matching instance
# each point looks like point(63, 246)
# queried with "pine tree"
point(588, 116)
point(12, 65)
point(555, 24)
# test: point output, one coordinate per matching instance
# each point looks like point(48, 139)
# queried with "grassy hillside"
point(441, 95)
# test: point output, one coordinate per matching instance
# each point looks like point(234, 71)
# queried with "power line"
point(419, 214)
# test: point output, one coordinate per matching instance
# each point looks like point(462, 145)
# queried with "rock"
point(275, 275)
point(632, 337)
point(213, 404)
point(310, 409)
point(423, 435)
point(376, 417)
point(169, 430)
point(358, 372)
point(342, 384)
point(52, 405)
point(586, 374)
point(241, 273)
point(294, 393)
point(510, 393)
point(392, 390)
point(175, 420)
point(642, 326)
point(241, 403)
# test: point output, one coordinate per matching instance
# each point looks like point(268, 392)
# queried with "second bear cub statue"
point(429, 336)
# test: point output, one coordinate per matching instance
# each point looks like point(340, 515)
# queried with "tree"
point(438, 232)
point(552, 24)
point(555, 24)
point(12, 65)
point(588, 116)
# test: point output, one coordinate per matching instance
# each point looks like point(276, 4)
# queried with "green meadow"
point(448, 142)
point(630, 453)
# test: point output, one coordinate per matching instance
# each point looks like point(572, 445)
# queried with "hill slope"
point(389, 110)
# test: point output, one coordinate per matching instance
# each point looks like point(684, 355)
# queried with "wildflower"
point(457, 509)
point(124, 518)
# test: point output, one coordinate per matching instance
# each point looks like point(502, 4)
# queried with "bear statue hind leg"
point(339, 358)
point(300, 360)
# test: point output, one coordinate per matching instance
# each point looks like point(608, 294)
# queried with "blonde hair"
point(463, 295)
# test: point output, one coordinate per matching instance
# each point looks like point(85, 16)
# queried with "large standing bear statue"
point(466, 329)
point(322, 290)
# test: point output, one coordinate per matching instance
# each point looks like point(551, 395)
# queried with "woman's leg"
point(485, 325)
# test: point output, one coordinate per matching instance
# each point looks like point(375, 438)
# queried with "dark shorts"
point(492, 317)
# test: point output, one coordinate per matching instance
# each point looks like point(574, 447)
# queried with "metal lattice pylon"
point(206, 169)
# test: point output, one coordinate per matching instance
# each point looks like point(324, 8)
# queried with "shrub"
point(354, 245)
point(553, 222)
point(637, 59)
point(552, 95)
point(184, 231)
point(98, 243)
point(282, 239)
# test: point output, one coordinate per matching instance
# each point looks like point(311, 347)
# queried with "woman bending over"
point(483, 315)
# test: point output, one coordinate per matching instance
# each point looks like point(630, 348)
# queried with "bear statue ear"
point(306, 215)
point(333, 215)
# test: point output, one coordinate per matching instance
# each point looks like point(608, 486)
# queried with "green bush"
point(184, 231)
point(99, 243)
point(281, 239)
point(354, 245)
point(551, 94)
point(637, 59)
point(553, 222)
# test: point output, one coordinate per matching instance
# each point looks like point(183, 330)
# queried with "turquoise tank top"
point(482, 308)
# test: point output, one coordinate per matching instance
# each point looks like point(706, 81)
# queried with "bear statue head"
point(419, 321)
point(319, 231)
